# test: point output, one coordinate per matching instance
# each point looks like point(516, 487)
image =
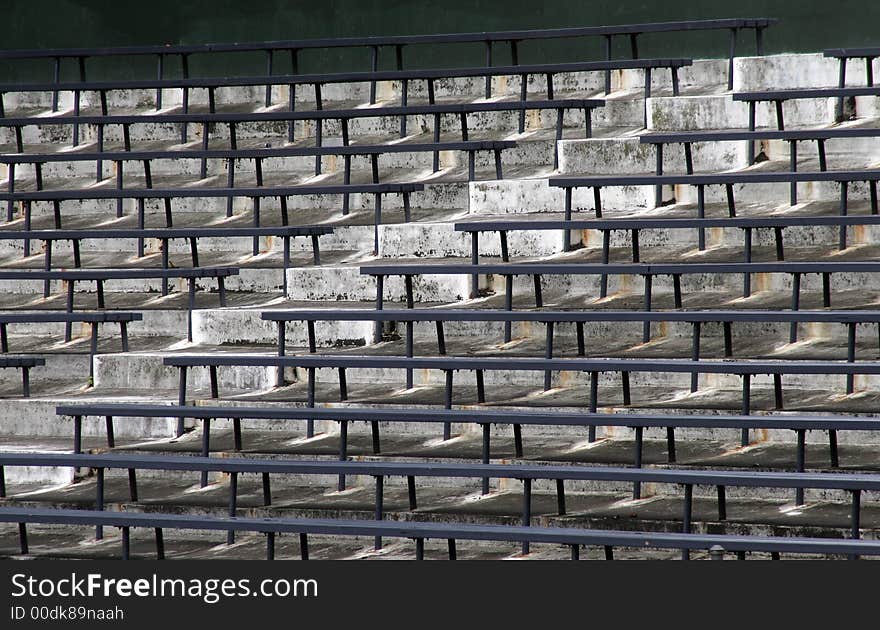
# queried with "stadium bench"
point(344, 116)
point(820, 136)
point(701, 180)
point(93, 319)
point(24, 364)
point(168, 194)
point(853, 482)
point(845, 54)
point(398, 42)
point(258, 155)
point(745, 369)
point(780, 96)
point(646, 270)
point(482, 417)
point(317, 80)
point(549, 318)
point(99, 276)
point(165, 234)
point(716, 544)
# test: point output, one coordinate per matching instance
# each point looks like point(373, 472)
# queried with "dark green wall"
point(809, 25)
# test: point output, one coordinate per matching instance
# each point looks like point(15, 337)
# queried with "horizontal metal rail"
point(449, 365)
point(482, 417)
point(420, 531)
point(526, 473)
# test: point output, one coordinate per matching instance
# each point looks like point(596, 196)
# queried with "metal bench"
point(317, 80)
point(398, 42)
point(820, 136)
point(258, 155)
point(168, 194)
point(24, 364)
point(286, 233)
point(701, 180)
point(716, 544)
point(93, 319)
point(845, 54)
point(526, 473)
point(780, 96)
point(99, 276)
point(635, 224)
point(550, 318)
point(745, 369)
point(646, 270)
point(484, 417)
point(344, 116)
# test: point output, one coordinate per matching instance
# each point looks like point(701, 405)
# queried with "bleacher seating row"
point(682, 376)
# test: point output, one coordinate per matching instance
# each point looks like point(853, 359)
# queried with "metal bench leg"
point(190, 307)
point(687, 516)
point(850, 355)
point(593, 403)
point(746, 405)
point(800, 464)
point(637, 460)
point(777, 392)
point(526, 511)
point(795, 305)
point(233, 504)
point(160, 544)
point(23, 539)
point(111, 438)
point(379, 507)
point(855, 519)
point(566, 234)
point(646, 326)
point(447, 426)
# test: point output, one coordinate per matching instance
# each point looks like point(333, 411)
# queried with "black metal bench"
point(701, 180)
point(716, 544)
point(843, 178)
point(317, 80)
point(93, 319)
point(745, 369)
point(820, 136)
point(780, 96)
point(484, 417)
point(168, 194)
point(398, 42)
point(258, 155)
point(635, 224)
point(646, 270)
point(853, 483)
point(24, 364)
point(286, 233)
point(550, 318)
point(344, 116)
point(845, 54)
point(99, 276)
